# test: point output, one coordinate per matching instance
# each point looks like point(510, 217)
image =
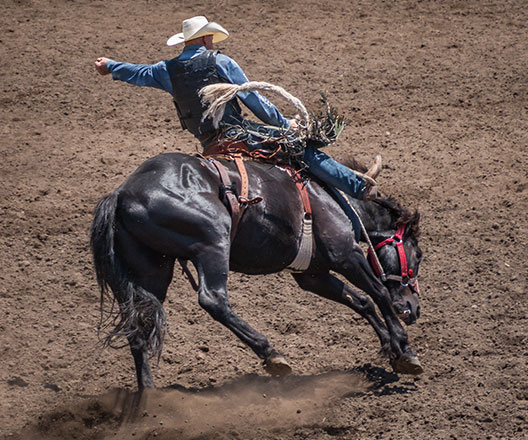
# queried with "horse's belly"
point(266, 242)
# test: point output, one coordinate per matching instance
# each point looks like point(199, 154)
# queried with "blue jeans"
point(322, 166)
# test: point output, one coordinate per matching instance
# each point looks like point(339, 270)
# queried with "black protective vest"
point(187, 78)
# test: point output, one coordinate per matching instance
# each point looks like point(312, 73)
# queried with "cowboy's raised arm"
point(149, 75)
point(258, 104)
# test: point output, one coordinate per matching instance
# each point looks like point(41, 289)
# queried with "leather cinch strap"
point(301, 187)
point(244, 191)
point(237, 204)
point(236, 212)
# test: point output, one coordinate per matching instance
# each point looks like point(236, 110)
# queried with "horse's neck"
point(375, 218)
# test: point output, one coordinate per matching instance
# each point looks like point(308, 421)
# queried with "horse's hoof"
point(276, 365)
point(406, 364)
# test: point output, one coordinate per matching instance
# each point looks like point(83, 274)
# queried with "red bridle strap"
point(406, 276)
point(398, 237)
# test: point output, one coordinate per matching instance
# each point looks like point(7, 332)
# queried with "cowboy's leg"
point(333, 173)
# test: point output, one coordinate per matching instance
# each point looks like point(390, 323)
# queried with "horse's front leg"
point(212, 266)
point(330, 287)
point(358, 271)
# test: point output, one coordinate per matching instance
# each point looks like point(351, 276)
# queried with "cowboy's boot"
point(371, 191)
point(375, 169)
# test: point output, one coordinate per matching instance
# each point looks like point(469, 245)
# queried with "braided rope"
point(218, 95)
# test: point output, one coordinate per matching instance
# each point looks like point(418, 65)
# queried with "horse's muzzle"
point(405, 312)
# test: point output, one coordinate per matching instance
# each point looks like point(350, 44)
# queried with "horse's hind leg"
point(140, 301)
point(330, 287)
point(212, 266)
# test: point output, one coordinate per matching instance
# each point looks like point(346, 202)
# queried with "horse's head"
point(399, 256)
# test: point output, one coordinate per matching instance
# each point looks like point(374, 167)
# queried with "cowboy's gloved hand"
point(294, 124)
point(100, 66)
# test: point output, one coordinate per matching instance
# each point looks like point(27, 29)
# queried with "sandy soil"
point(438, 88)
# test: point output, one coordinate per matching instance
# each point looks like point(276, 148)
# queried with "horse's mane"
point(404, 216)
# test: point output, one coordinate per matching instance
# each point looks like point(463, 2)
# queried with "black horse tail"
point(141, 318)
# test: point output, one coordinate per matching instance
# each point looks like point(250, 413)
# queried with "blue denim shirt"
point(156, 75)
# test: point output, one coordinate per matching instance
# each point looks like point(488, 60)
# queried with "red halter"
point(406, 278)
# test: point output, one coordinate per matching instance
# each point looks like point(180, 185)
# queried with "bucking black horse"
point(169, 209)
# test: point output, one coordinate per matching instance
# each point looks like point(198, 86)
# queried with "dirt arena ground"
point(438, 88)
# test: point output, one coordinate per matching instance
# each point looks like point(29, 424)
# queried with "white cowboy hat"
point(196, 27)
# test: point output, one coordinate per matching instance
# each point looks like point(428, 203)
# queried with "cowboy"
point(199, 65)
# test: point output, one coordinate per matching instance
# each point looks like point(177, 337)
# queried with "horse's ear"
point(413, 225)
